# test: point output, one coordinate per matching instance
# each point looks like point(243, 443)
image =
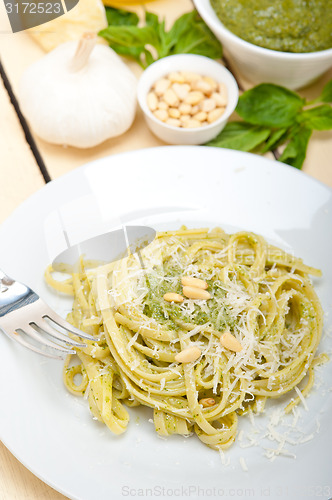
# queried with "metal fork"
point(23, 311)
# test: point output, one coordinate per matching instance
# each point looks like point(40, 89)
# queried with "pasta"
point(255, 335)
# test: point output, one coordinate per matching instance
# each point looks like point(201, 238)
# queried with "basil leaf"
point(241, 136)
point(120, 17)
point(326, 95)
point(295, 151)
point(130, 36)
point(276, 138)
point(133, 52)
point(198, 39)
point(319, 118)
point(164, 48)
point(151, 20)
point(130, 41)
point(274, 116)
point(180, 26)
point(269, 105)
point(189, 34)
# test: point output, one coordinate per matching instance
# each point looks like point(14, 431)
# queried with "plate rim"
point(78, 170)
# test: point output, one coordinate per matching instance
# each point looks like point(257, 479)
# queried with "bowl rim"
point(200, 5)
point(141, 96)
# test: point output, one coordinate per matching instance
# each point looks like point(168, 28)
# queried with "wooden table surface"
point(21, 176)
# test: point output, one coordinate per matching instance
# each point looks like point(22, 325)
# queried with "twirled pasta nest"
point(259, 294)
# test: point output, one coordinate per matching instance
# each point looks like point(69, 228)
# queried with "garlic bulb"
point(80, 94)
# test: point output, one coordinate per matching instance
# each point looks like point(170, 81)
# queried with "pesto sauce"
point(284, 25)
point(169, 314)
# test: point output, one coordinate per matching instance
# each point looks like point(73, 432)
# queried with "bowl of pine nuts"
point(187, 98)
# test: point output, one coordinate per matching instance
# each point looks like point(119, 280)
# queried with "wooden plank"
point(18, 483)
point(19, 173)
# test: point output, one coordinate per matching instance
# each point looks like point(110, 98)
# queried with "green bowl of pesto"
point(287, 42)
point(288, 26)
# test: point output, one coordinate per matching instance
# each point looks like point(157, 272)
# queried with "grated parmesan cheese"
point(243, 464)
point(303, 401)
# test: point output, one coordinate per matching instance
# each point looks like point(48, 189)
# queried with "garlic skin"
point(80, 94)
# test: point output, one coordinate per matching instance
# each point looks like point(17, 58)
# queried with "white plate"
point(52, 433)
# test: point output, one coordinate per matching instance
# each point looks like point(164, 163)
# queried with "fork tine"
point(20, 340)
point(31, 332)
point(53, 316)
point(43, 325)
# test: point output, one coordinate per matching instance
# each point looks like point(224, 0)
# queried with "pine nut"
point(221, 100)
point(211, 82)
point(161, 114)
point(194, 110)
point(174, 113)
point(208, 105)
point(203, 86)
point(201, 116)
point(171, 98)
point(190, 76)
point(189, 281)
point(161, 86)
point(222, 89)
point(215, 114)
point(188, 355)
point(207, 402)
point(184, 118)
point(192, 292)
point(162, 105)
point(173, 297)
point(174, 122)
point(194, 97)
point(228, 341)
point(181, 90)
point(152, 101)
point(176, 77)
point(191, 123)
point(184, 108)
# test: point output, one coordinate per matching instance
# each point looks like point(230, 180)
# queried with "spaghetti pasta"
point(261, 296)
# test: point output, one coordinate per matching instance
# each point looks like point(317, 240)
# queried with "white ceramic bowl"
point(186, 62)
point(264, 65)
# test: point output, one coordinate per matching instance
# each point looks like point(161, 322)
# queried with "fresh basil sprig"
point(188, 35)
point(275, 116)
